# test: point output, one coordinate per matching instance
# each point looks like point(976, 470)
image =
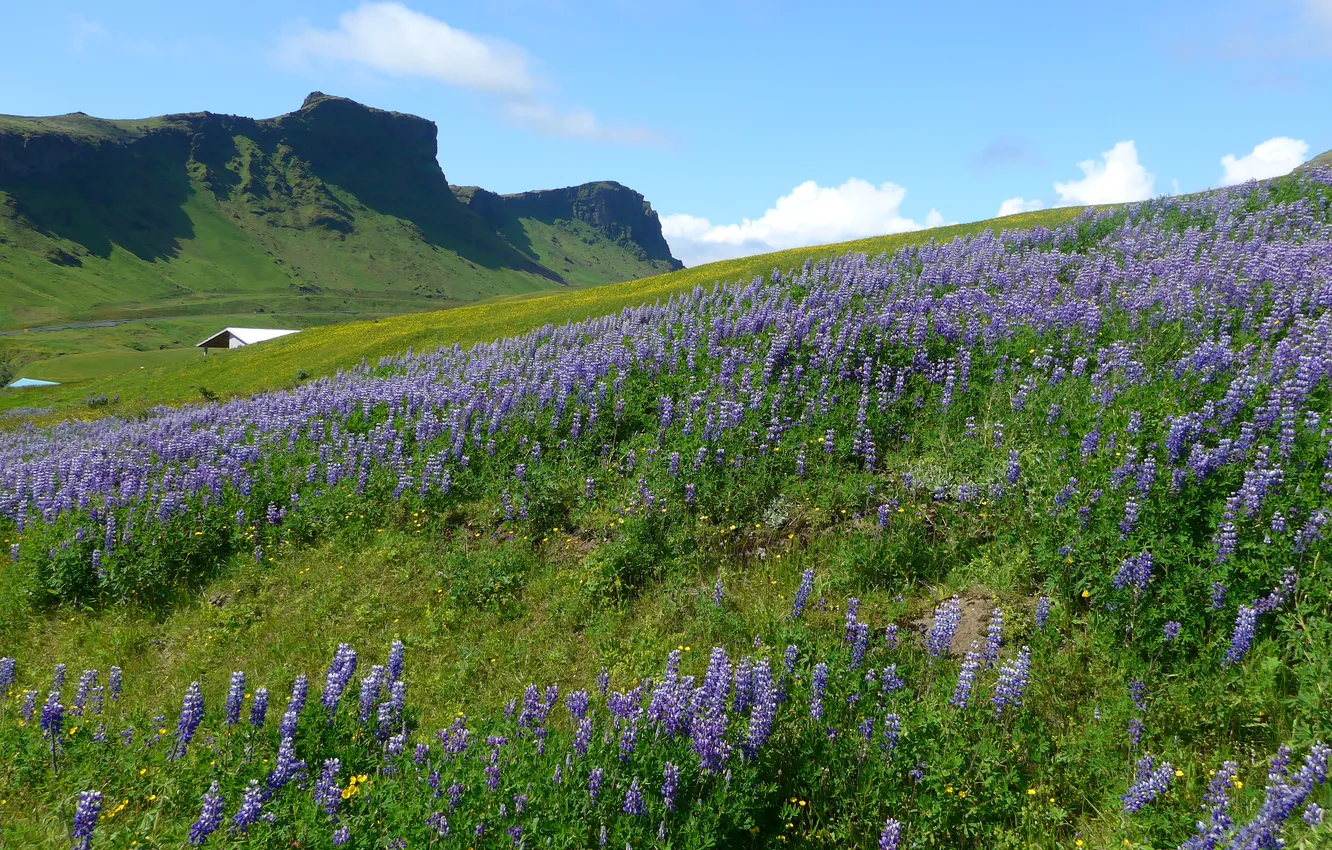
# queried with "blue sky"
point(748, 125)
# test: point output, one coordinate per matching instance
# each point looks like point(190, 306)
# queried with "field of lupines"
point(1077, 483)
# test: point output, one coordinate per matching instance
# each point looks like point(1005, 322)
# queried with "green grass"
point(324, 350)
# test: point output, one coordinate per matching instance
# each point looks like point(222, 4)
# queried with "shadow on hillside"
point(131, 197)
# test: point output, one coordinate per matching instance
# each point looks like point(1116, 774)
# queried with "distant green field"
point(324, 350)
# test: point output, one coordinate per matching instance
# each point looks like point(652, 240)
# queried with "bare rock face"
point(617, 212)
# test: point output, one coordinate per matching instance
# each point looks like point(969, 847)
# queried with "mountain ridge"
point(336, 206)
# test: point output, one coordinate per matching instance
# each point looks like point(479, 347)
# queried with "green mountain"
point(331, 210)
point(1323, 160)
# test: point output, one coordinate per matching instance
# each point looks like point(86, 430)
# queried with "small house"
point(241, 337)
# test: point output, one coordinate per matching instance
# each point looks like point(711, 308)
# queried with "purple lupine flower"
point(58, 677)
point(707, 727)
point(889, 681)
point(1283, 795)
point(966, 677)
point(14, 553)
point(1012, 684)
point(789, 658)
point(295, 705)
point(859, 643)
point(1130, 519)
point(866, 728)
point(29, 706)
point(115, 681)
point(85, 819)
point(890, 634)
point(892, 727)
point(994, 637)
point(455, 793)
point(1138, 693)
point(1042, 612)
point(1218, 596)
point(583, 736)
point(1151, 782)
point(259, 708)
point(1014, 467)
point(603, 681)
point(86, 681)
point(820, 685)
point(802, 594)
point(341, 836)
point(594, 780)
point(438, 824)
point(371, 687)
point(633, 800)
point(1135, 572)
point(53, 717)
point(577, 703)
point(718, 592)
point(328, 790)
point(390, 711)
point(191, 715)
point(251, 807)
point(947, 617)
point(764, 709)
point(339, 675)
point(891, 835)
point(210, 816)
point(1216, 801)
point(670, 785)
point(1135, 731)
point(1171, 630)
point(235, 696)
point(395, 661)
point(1313, 815)
point(286, 766)
point(1242, 637)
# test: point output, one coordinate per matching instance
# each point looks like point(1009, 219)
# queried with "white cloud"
point(573, 124)
point(395, 40)
point(1271, 158)
point(1013, 206)
point(1117, 178)
point(810, 215)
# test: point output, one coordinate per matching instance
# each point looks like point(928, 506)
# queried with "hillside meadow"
point(323, 350)
point(999, 536)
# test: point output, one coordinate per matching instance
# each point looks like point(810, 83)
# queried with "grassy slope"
point(325, 350)
point(1323, 160)
point(373, 584)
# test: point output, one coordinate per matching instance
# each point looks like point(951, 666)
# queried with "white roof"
point(249, 336)
point(32, 382)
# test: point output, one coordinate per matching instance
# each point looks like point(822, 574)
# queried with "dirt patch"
point(975, 620)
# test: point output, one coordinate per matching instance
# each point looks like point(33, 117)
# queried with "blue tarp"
point(32, 382)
